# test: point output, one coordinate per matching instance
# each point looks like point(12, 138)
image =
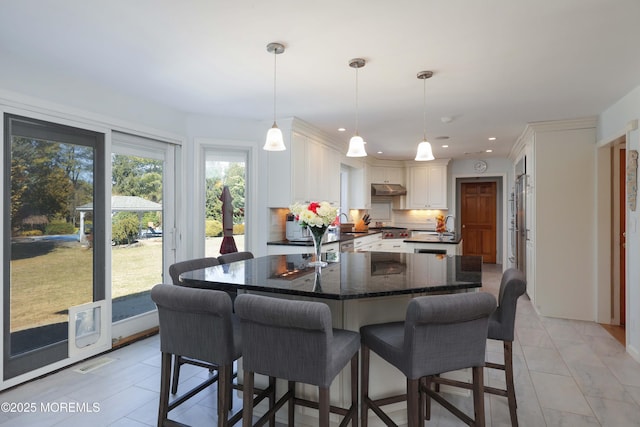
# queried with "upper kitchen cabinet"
point(309, 170)
point(387, 175)
point(427, 185)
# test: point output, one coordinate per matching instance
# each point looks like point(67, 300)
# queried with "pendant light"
point(424, 148)
point(356, 143)
point(275, 141)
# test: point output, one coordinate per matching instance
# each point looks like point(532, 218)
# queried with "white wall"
point(20, 80)
point(615, 121)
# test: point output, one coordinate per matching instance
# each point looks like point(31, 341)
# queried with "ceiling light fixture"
point(424, 152)
point(275, 141)
point(356, 143)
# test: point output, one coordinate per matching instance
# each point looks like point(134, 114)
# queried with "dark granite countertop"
point(331, 238)
point(349, 275)
point(427, 238)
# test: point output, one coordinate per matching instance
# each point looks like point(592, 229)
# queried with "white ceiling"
point(498, 64)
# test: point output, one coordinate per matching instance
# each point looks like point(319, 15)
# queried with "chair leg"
point(478, 395)
point(364, 383)
point(272, 400)
point(413, 403)
point(177, 361)
point(323, 406)
point(224, 393)
point(247, 399)
point(511, 391)
point(354, 390)
point(165, 379)
point(427, 398)
point(292, 403)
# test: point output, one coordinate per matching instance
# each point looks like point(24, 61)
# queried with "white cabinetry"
point(427, 186)
point(366, 243)
point(359, 188)
point(560, 216)
point(387, 175)
point(301, 249)
point(308, 170)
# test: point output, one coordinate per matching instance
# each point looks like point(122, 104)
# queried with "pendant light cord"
point(424, 109)
point(357, 100)
point(275, 56)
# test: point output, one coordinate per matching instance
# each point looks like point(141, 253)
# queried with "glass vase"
point(318, 233)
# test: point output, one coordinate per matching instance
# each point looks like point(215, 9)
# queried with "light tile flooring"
point(568, 373)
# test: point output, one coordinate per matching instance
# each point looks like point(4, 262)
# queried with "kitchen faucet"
point(345, 217)
point(446, 221)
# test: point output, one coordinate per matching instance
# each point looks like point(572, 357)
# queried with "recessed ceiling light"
point(492, 138)
point(445, 146)
point(489, 151)
point(341, 129)
point(379, 152)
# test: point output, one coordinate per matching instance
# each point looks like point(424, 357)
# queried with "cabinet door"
point(427, 187)
point(437, 187)
point(417, 192)
point(387, 175)
point(299, 169)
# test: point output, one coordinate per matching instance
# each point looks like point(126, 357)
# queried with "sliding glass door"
point(143, 224)
point(53, 248)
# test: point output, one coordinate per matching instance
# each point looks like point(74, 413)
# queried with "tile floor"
point(568, 373)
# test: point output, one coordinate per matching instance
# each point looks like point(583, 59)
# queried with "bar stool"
point(198, 323)
point(175, 270)
point(294, 340)
point(501, 327)
point(440, 334)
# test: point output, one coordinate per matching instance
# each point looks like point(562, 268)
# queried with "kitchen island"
point(360, 288)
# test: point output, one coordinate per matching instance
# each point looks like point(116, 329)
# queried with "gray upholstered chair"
point(234, 256)
point(294, 340)
point(501, 328)
point(175, 270)
point(440, 334)
point(199, 324)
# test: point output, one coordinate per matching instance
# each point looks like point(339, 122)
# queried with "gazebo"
point(119, 204)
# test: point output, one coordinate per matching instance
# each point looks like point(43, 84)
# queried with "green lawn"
point(47, 278)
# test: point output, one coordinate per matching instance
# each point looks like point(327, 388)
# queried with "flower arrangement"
point(315, 214)
point(440, 225)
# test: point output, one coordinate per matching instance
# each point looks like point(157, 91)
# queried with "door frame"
point(502, 197)
point(122, 143)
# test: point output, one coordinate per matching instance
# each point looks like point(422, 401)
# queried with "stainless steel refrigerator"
point(520, 220)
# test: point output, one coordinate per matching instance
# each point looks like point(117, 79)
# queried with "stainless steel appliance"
point(293, 231)
point(520, 220)
point(395, 233)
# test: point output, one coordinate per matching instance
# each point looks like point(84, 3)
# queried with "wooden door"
point(623, 221)
point(478, 219)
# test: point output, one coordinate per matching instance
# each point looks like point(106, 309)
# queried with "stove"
point(395, 233)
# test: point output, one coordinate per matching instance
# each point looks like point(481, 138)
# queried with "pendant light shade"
point(275, 141)
point(356, 147)
point(424, 152)
point(356, 144)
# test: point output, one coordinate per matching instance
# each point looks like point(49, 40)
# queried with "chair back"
point(446, 332)
point(234, 256)
point(175, 270)
point(285, 338)
point(196, 323)
point(502, 322)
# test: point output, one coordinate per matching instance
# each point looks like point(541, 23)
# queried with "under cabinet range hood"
point(388, 190)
